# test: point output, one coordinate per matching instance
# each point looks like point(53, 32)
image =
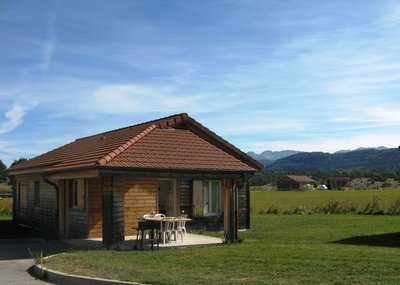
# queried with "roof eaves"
point(239, 154)
point(111, 155)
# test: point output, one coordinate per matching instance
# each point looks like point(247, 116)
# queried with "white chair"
point(165, 231)
point(179, 228)
point(182, 225)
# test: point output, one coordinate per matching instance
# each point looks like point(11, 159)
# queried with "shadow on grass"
point(385, 240)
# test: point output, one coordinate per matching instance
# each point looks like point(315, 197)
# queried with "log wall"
point(95, 212)
point(41, 216)
point(140, 198)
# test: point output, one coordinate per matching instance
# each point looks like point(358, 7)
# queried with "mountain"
point(384, 159)
point(272, 155)
point(362, 148)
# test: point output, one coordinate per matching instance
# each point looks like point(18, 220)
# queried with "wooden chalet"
point(97, 186)
point(296, 182)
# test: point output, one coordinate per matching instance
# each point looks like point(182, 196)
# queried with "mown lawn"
point(346, 201)
point(279, 249)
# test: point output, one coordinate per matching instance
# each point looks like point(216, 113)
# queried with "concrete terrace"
point(130, 242)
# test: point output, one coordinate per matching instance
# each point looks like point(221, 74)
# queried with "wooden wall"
point(42, 216)
point(140, 198)
point(95, 212)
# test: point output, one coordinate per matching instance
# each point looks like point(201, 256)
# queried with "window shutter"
point(81, 194)
point(198, 198)
point(23, 201)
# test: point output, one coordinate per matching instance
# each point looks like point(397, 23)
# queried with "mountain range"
point(381, 158)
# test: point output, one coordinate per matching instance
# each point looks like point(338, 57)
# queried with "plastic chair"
point(182, 225)
point(166, 226)
point(179, 228)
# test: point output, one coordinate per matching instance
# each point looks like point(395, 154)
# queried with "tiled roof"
point(153, 144)
point(177, 149)
point(301, 178)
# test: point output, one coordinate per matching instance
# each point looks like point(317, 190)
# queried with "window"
point(77, 194)
point(36, 194)
point(212, 197)
point(207, 198)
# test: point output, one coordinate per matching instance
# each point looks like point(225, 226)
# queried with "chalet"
point(97, 186)
point(294, 182)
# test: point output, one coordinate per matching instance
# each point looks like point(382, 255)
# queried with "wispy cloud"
point(14, 117)
point(50, 43)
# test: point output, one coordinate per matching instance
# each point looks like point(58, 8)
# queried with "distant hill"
point(384, 159)
point(268, 157)
point(272, 155)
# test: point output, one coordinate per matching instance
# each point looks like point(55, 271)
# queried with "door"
point(167, 198)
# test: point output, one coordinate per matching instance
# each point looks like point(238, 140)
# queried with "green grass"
point(314, 201)
point(280, 249)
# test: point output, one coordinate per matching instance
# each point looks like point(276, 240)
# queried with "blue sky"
point(265, 75)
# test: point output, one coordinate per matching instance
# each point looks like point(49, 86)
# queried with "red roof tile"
point(153, 144)
point(177, 149)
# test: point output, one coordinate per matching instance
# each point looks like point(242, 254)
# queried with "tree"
point(19, 160)
point(3, 175)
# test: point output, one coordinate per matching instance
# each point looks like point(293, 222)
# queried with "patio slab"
point(130, 242)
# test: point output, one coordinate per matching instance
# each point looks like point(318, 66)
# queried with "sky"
point(264, 75)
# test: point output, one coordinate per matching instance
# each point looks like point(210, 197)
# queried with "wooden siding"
point(185, 195)
point(243, 210)
point(140, 198)
point(95, 221)
point(44, 215)
point(78, 223)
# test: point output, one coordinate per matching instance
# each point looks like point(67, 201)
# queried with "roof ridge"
point(108, 157)
point(183, 116)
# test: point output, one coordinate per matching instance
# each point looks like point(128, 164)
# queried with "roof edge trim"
point(108, 157)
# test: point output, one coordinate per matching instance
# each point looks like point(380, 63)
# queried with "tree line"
point(263, 178)
point(3, 168)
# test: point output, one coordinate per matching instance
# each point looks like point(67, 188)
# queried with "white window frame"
point(208, 197)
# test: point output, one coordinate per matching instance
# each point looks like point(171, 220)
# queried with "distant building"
point(337, 182)
point(296, 182)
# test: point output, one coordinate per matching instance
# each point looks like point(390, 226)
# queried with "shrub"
point(373, 207)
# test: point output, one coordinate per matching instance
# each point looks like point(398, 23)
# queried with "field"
point(6, 208)
point(279, 249)
point(353, 201)
point(6, 204)
point(5, 188)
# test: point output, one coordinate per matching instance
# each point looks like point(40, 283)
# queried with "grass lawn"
point(348, 201)
point(280, 249)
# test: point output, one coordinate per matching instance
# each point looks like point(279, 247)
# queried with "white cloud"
point(326, 144)
point(50, 43)
point(14, 117)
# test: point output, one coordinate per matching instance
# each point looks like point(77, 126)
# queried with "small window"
point(77, 194)
point(36, 194)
